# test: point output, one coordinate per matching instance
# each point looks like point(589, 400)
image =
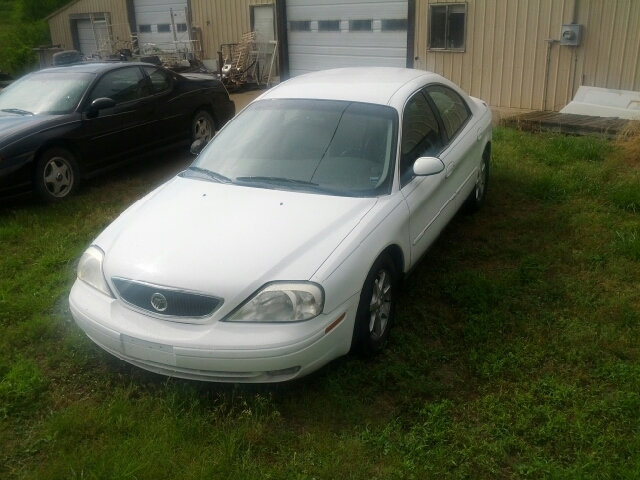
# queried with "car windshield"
point(321, 146)
point(53, 93)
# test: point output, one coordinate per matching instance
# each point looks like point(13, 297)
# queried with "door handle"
point(479, 137)
point(450, 168)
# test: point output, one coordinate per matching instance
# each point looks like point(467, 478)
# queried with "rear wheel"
point(476, 198)
point(202, 127)
point(376, 309)
point(57, 175)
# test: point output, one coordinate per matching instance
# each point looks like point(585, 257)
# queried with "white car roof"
point(358, 84)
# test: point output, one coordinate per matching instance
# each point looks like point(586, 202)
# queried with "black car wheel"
point(376, 309)
point(202, 127)
point(57, 175)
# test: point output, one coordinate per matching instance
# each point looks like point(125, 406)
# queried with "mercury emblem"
point(159, 302)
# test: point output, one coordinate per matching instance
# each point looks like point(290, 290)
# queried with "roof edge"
point(60, 10)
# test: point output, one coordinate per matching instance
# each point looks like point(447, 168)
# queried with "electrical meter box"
point(570, 34)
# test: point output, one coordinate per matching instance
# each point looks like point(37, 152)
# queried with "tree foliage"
point(22, 28)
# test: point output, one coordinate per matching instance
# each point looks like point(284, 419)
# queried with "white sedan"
point(281, 247)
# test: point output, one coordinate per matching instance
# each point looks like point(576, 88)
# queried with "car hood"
point(10, 124)
point(227, 240)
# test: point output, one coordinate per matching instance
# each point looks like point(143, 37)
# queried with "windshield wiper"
point(276, 180)
point(17, 111)
point(211, 174)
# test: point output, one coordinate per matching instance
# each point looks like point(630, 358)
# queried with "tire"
point(202, 127)
point(57, 175)
point(476, 198)
point(376, 309)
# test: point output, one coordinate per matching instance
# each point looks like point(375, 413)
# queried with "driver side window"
point(420, 134)
point(123, 85)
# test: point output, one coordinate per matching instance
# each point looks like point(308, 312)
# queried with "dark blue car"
point(62, 124)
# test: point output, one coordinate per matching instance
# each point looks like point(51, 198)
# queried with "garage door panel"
point(306, 64)
point(314, 50)
point(369, 52)
point(352, 12)
point(158, 12)
point(354, 40)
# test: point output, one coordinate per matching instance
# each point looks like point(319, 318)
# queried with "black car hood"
point(10, 124)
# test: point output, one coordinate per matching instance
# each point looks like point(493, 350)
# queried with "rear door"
point(173, 110)
point(129, 128)
point(463, 151)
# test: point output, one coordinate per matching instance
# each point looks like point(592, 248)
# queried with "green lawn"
point(515, 353)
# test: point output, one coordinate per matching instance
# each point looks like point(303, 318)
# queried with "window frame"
point(326, 23)
point(446, 138)
point(358, 22)
point(393, 23)
point(150, 70)
point(406, 177)
point(299, 25)
point(104, 75)
point(447, 25)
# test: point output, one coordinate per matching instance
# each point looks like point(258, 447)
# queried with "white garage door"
point(92, 36)
point(153, 18)
point(346, 33)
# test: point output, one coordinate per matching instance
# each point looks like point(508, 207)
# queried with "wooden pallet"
point(607, 127)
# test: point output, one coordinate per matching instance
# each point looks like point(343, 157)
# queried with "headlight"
point(282, 302)
point(90, 269)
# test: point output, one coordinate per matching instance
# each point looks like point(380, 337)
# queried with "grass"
point(515, 353)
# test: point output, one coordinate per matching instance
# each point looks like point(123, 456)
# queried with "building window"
point(396, 24)
point(181, 27)
point(359, 25)
point(300, 25)
point(144, 28)
point(164, 28)
point(446, 26)
point(328, 25)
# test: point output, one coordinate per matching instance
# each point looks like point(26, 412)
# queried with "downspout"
point(411, 33)
point(574, 19)
point(550, 42)
point(283, 41)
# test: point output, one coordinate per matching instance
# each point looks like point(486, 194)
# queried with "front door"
point(426, 196)
point(124, 130)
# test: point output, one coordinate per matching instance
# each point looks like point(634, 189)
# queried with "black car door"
point(124, 130)
point(172, 112)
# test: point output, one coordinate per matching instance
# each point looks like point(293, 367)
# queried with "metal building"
point(525, 54)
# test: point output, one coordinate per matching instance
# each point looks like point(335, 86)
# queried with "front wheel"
point(376, 309)
point(57, 175)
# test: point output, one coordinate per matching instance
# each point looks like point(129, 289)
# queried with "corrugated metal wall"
point(222, 21)
point(505, 61)
point(60, 27)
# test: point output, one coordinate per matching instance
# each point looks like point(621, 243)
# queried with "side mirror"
point(197, 146)
point(99, 104)
point(425, 166)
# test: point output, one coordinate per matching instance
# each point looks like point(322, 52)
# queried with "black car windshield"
point(54, 93)
point(323, 146)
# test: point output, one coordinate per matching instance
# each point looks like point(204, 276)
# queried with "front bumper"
point(220, 351)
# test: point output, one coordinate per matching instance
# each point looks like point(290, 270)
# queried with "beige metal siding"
point(222, 21)
point(612, 44)
point(505, 62)
point(60, 26)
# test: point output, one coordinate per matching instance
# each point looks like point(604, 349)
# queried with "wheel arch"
point(397, 257)
point(57, 143)
point(209, 109)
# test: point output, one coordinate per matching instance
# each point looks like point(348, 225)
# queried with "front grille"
point(165, 301)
